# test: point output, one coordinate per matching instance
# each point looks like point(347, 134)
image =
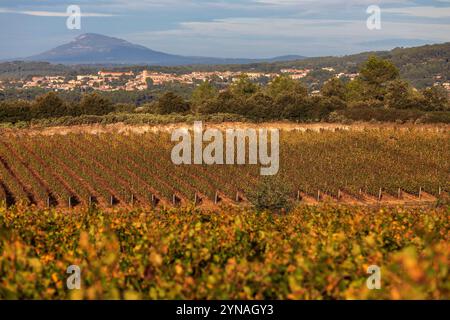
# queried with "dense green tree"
point(319, 107)
point(225, 102)
point(285, 85)
point(375, 75)
point(260, 106)
point(244, 87)
point(49, 105)
point(334, 88)
point(435, 99)
point(125, 107)
point(204, 93)
point(399, 95)
point(330, 104)
point(170, 102)
point(356, 90)
point(95, 104)
point(377, 71)
point(15, 111)
point(292, 106)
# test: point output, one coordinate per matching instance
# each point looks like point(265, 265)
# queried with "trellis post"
point(196, 199)
point(175, 200)
point(216, 198)
point(154, 201)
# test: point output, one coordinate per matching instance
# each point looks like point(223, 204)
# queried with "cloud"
point(136, 5)
point(423, 12)
point(325, 3)
point(286, 28)
point(237, 37)
point(52, 13)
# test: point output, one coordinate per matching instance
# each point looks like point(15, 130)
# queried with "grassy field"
point(130, 169)
point(314, 252)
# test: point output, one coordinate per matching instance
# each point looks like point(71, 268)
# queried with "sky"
point(232, 28)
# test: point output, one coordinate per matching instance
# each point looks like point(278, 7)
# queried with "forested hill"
point(419, 65)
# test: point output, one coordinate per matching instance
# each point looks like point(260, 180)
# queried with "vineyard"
point(134, 170)
point(314, 252)
point(140, 227)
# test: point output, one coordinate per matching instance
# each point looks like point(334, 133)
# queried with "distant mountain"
point(93, 48)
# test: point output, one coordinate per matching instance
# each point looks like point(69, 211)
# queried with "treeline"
point(378, 91)
point(137, 98)
point(51, 105)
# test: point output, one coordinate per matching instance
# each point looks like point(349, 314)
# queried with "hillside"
point(419, 65)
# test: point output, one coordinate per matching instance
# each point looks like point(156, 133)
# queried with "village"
point(131, 81)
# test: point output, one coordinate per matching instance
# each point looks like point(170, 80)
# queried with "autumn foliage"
point(311, 253)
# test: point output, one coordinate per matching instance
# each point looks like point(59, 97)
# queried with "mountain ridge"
point(92, 48)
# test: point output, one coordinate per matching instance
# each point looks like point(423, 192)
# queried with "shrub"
point(171, 103)
point(94, 104)
point(271, 194)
